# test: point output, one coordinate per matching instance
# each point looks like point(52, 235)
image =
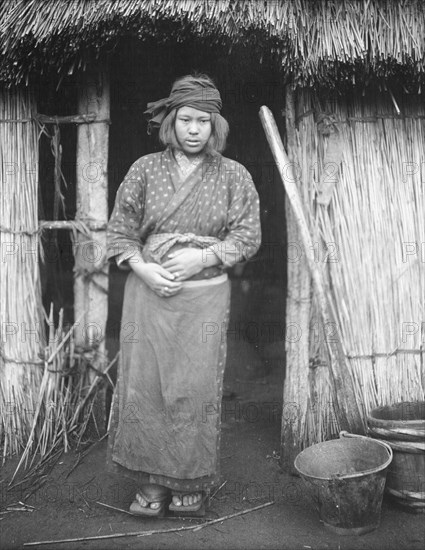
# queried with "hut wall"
point(363, 163)
point(21, 321)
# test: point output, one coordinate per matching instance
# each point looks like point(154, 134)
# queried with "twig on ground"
point(115, 508)
point(26, 505)
point(217, 490)
point(83, 454)
point(154, 531)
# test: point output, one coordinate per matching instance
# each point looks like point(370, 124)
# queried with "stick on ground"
point(154, 531)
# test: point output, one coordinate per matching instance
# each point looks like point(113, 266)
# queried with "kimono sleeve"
point(243, 236)
point(123, 231)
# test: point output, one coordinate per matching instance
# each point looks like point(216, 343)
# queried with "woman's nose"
point(193, 128)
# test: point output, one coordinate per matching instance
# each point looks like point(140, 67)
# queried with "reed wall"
point(21, 322)
point(362, 159)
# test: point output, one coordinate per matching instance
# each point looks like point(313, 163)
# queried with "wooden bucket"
point(402, 426)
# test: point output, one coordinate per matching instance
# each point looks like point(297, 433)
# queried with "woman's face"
point(193, 129)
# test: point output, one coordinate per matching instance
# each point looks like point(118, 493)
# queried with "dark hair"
point(219, 125)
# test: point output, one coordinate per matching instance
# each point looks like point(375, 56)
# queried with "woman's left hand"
point(185, 263)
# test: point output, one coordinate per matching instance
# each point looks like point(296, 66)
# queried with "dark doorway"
point(145, 72)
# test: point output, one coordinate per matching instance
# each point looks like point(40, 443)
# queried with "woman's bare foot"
point(187, 500)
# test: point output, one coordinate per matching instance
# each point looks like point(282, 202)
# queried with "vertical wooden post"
point(298, 303)
point(91, 267)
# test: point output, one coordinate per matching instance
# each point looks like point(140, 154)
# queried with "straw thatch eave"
point(321, 42)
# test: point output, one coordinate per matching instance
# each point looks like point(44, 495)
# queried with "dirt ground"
point(65, 507)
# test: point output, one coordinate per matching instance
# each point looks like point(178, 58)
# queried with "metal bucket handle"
point(344, 433)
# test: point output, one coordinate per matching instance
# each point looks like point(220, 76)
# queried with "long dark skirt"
point(165, 421)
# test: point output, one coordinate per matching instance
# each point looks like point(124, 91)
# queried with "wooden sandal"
point(152, 493)
point(195, 510)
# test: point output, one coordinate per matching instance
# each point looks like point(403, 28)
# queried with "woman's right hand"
point(158, 279)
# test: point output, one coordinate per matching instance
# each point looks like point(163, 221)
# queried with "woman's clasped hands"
point(166, 279)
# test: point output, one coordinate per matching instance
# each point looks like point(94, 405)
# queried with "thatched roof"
point(326, 42)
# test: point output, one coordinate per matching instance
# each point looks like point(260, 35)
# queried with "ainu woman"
point(181, 217)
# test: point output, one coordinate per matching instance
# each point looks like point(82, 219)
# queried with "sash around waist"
point(159, 246)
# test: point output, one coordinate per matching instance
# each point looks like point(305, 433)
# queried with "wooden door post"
point(298, 311)
point(91, 267)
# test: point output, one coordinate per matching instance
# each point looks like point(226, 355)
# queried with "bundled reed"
point(317, 42)
point(47, 390)
point(65, 400)
point(21, 322)
point(375, 225)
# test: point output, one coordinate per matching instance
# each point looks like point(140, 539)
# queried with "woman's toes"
point(187, 500)
point(142, 501)
point(176, 500)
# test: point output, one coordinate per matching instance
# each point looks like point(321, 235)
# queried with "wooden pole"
point(72, 119)
point(91, 267)
point(91, 225)
point(298, 305)
point(340, 376)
